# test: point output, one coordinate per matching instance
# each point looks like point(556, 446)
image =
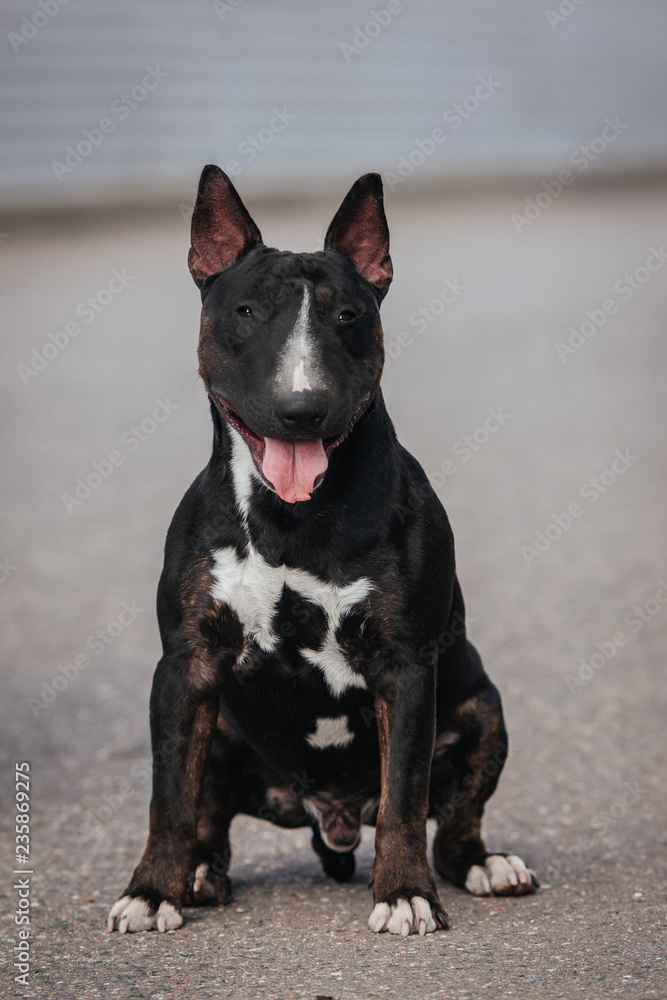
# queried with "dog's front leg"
point(184, 712)
point(404, 889)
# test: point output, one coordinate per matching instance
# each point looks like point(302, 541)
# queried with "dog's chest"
point(254, 590)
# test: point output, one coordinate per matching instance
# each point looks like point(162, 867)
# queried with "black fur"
point(421, 712)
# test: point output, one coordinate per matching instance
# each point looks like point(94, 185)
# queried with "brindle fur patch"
point(210, 627)
point(324, 295)
point(464, 775)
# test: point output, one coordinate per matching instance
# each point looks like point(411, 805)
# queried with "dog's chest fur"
point(254, 591)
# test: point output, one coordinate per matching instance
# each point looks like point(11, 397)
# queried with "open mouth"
point(293, 467)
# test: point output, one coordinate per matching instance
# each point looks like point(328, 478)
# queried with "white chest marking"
point(331, 733)
point(253, 589)
point(298, 363)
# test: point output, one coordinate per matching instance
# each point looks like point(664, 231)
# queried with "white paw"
point(203, 886)
point(501, 876)
point(403, 917)
point(134, 914)
point(207, 887)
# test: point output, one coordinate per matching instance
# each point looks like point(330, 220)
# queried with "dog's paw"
point(501, 876)
point(208, 889)
point(132, 913)
point(403, 917)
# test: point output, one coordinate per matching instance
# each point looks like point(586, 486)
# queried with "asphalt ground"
point(551, 463)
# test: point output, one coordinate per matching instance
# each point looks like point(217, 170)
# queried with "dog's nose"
point(302, 412)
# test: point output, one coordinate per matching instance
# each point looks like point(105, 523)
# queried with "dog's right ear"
point(222, 230)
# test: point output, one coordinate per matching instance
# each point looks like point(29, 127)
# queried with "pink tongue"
point(293, 466)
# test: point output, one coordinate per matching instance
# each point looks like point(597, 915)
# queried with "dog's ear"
point(222, 230)
point(359, 230)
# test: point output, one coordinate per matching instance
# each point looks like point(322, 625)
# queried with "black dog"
point(315, 668)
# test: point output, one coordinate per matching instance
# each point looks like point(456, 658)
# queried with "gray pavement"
point(558, 505)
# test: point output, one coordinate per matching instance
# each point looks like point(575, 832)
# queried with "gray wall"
point(228, 64)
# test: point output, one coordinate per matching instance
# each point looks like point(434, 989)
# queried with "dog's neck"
point(360, 478)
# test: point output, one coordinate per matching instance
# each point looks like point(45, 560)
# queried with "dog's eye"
point(244, 311)
point(346, 316)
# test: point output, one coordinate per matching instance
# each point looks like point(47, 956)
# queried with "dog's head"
point(291, 348)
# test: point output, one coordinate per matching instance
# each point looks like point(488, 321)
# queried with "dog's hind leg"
point(468, 758)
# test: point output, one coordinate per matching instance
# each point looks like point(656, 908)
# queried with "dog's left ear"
point(359, 230)
point(222, 229)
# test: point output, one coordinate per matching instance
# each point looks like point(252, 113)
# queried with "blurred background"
point(356, 85)
point(523, 147)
